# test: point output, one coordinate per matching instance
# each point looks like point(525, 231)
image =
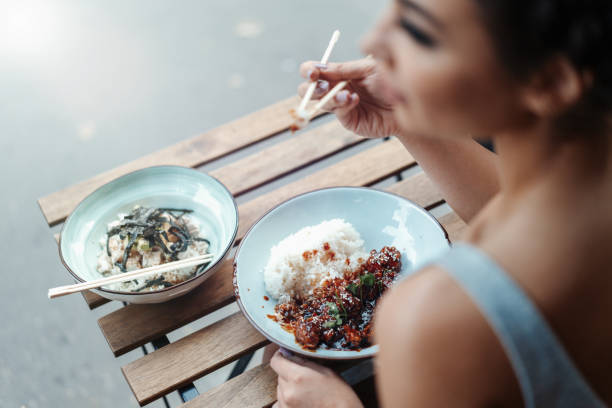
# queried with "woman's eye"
point(418, 35)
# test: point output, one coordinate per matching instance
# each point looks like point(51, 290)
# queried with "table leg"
point(241, 365)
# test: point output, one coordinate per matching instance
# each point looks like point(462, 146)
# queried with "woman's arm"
point(437, 350)
point(463, 170)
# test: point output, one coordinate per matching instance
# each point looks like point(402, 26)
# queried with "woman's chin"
point(408, 125)
point(411, 127)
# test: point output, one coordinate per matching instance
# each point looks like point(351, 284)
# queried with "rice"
point(302, 261)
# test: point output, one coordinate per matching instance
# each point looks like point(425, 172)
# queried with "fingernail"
point(310, 74)
point(285, 353)
point(353, 97)
point(322, 86)
point(342, 96)
point(321, 66)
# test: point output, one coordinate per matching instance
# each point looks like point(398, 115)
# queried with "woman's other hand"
point(360, 106)
point(302, 383)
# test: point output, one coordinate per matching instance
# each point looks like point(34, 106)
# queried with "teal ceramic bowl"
point(380, 218)
point(214, 209)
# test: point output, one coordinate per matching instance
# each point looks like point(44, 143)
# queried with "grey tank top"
point(545, 372)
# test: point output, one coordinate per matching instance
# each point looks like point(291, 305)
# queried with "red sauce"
point(272, 317)
point(266, 298)
point(338, 314)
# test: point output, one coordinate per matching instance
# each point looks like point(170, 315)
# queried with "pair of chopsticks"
point(304, 115)
point(79, 287)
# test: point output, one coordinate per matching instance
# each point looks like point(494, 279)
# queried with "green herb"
point(333, 308)
point(353, 288)
point(341, 305)
point(335, 314)
point(361, 293)
point(367, 279)
point(329, 324)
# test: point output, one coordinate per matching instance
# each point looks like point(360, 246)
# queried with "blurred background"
point(86, 86)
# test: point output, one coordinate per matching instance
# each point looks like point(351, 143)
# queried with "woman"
point(519, 313)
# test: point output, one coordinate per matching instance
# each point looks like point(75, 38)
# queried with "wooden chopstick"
point(311, 88)
point(139, 273)
point(303, 118)
point(339, 86)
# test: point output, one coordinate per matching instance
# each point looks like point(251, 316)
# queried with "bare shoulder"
point(436, 348)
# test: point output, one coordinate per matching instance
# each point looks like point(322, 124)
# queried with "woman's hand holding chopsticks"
point(361, 106)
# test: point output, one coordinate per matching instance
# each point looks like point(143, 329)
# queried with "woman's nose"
point(374, 43)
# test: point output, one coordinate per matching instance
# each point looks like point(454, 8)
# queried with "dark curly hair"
point(530, 32)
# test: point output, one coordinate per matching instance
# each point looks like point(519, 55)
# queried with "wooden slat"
point(146, 322)
point(454, 225)
point(419, 189)
point(257, 387)
point(278, 160)
point(192, 152)
point(363, 169)
point(182, 354)
point(134, 325)
point(93, 300)
point(161, 372)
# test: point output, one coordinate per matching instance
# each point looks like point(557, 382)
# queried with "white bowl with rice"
point(276, 259)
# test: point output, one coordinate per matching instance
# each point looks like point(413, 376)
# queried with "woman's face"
point(439, 69)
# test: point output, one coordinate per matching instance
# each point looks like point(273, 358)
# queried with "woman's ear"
point(554, 88)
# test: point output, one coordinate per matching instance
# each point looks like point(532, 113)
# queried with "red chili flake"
point(266, 298)
point(326, 246)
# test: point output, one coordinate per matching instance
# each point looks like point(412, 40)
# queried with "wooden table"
point(252, 156)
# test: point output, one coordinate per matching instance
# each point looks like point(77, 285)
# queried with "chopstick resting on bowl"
point(139, 273)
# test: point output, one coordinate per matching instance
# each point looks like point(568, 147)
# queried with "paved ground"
point(85, 86)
